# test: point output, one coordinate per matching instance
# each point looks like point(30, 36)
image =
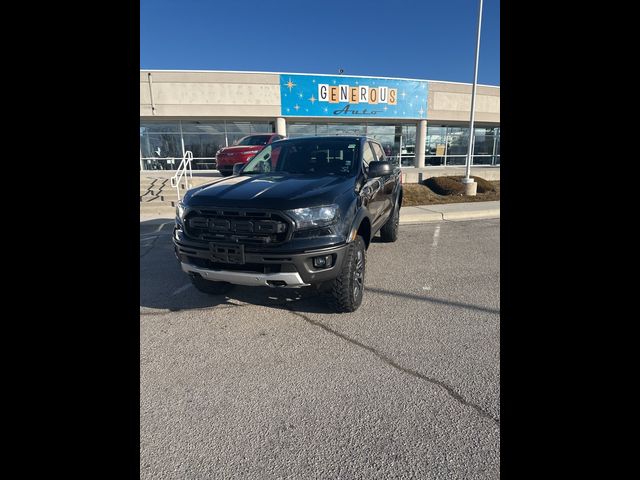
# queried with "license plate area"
point(227, 253)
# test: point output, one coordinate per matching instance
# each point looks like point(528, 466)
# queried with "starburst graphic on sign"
point(421, 111)
point(403, 95)
point(325, 109)
point(385, 108)
point(312, 99)
point(297, 107)
point(288, 110)
point(300, 95)
point(290, 84)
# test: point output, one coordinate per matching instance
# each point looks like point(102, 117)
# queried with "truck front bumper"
point(254, 279)
point(291, 270)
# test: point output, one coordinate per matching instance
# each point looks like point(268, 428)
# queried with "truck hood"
point(279, 191)
point(241, 148)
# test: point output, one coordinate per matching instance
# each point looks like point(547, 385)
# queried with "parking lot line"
point(181, 289)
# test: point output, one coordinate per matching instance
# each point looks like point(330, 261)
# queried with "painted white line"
point(160, 226)
point(181, 289)
point(436, 235)
point(434, 245)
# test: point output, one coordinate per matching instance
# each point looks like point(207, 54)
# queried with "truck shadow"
point(163, 285)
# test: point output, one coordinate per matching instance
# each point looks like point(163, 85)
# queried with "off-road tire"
point(389, 231)
point(345, 294)
point(212, 288)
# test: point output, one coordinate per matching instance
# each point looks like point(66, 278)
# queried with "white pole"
point(473, 99)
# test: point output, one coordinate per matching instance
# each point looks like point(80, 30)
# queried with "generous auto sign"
point(352, 97)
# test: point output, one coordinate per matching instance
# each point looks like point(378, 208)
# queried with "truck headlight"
point(314, 217)
point(180, 210)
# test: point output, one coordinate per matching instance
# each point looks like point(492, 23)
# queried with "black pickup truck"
point(302, 212)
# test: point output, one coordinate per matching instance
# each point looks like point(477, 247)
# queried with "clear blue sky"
point(427, 39)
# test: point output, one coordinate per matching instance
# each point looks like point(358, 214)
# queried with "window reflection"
point(161, 142)
point(449, 145)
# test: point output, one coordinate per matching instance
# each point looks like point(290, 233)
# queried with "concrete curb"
point(437, 217)
point(450, 212)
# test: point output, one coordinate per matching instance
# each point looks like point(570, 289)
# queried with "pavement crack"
point(455, 395)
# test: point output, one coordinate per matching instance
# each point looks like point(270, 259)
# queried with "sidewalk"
point(408, 215)
point(449, 211)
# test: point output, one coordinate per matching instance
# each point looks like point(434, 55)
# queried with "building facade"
point(420, 123)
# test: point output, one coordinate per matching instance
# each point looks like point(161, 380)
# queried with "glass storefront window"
point(160, 145)
point(201, 127)
point(300, 130)
point(173, 127)
point(346, 129)
point(449, 145)
point(161, 142)
point(483, 160)
point(385, 134)
point(204, 148)
point(483, 145)
point(264, 127)
point(237, 130)
point(457, 141)
point(435, 147)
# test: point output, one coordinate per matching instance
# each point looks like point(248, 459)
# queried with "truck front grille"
point(245, 226)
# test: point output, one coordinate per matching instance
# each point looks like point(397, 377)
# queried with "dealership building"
point(422, 124)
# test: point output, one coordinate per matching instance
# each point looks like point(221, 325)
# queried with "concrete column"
point(281, 126)
point(421, 139)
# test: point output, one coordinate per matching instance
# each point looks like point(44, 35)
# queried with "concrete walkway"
point(450, 211)
point(408, 215)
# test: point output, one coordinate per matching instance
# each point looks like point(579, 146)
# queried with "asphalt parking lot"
point(269, 383)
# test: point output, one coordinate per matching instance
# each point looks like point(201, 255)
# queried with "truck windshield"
point(322, 157)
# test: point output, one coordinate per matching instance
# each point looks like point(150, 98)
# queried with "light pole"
point(470, 185)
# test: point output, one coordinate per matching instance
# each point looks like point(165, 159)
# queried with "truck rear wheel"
point(389, 231)
point(212, 288)
point(348, 287)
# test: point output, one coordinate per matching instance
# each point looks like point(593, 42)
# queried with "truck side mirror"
point(379, 169)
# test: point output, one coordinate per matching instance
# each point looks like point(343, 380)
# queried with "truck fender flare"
point(355, 226)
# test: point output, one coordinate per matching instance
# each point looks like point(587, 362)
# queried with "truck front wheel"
point(348, 287)
point(212, 288)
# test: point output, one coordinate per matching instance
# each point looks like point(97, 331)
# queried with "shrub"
point(445, 185)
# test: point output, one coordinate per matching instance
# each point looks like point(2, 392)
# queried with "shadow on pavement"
point(163, 285)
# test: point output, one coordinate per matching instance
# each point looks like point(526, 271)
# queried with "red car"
point(242, 151)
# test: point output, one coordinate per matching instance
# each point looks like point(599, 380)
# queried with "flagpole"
point(470, 185)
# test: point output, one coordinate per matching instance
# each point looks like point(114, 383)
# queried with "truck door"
point(387, 183)
point(372, 186)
